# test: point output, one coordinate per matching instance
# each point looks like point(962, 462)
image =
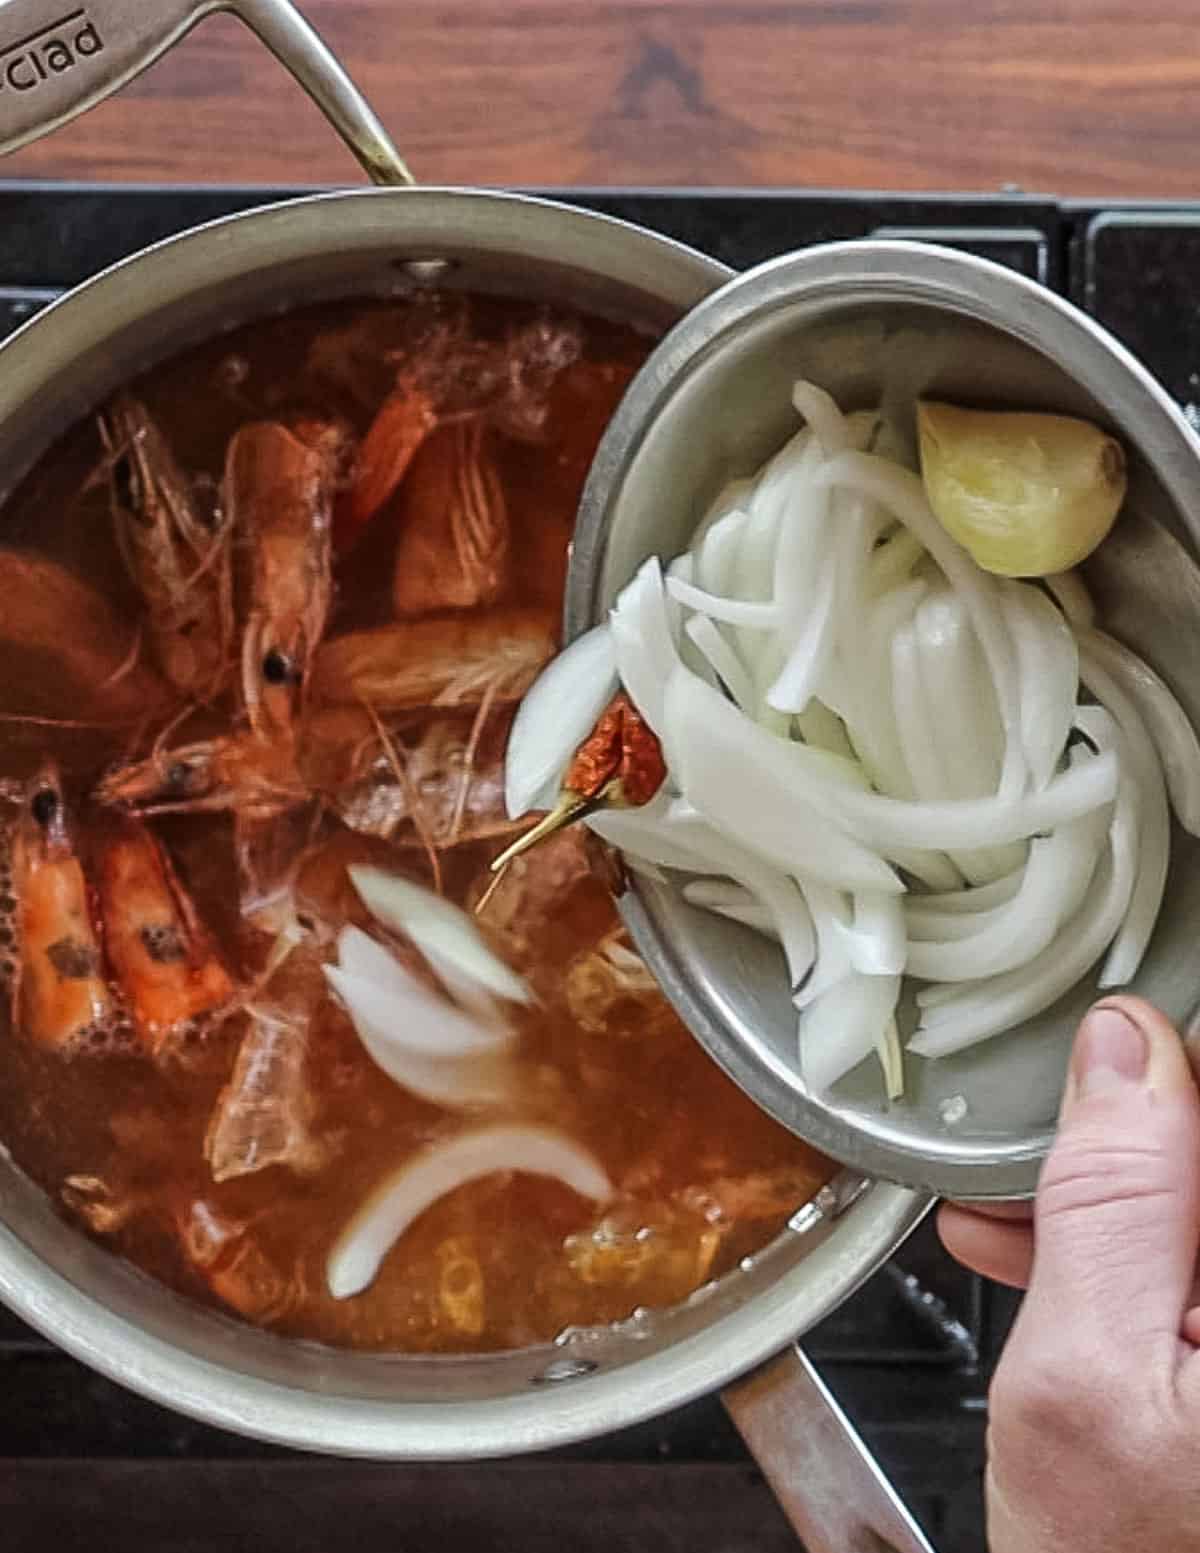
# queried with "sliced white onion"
point(447, 936)
point(406, 1193)
point(843, 1026)
point(825, 419)
point(763, 791)
point(644, 643)
point(735, 612)
point(1005, 1002)
point(878, 941)
point(804, 588)
point(754, 565)
point(365, 959)
point(1154, 832)
point(857, 523)
point(723, 660)
point(751, 576)
point(962, 717)
point(892, 562)
point(978, 898)
point(957, 824)
point(682, 570)
point(490, 1082)
point(823, 729)
point(832, 923)
point(1053, 887)
point(412, 1017)
point(1165, 720)
point(1047, 674)
point(732, 901)
point(773, 488)
point(558, 712)
point(716, 552)
point(930, 868)
point(742, 780)
point(838, 770)
point(860, 691)
point(891, 1060)
point(967, 727)
point(913, 721)
point(999, 1003)
point(902, 493)
point(809, 649)
point(664, 838)
point(944, 927)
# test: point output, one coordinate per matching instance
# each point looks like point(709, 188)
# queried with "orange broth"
point(703, 1179)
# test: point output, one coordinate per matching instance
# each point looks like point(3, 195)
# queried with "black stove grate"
point(910, 1355)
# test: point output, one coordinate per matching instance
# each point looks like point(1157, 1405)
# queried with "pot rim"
point(247, 239)
point(584, 1405)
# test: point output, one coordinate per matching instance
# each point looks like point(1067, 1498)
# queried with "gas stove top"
point(909, 1356)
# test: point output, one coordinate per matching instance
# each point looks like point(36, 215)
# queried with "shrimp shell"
point(453, 550)
point(445, 661)
point(279, 488)
point(401, 426)
point(180, 565)
point(60, 996)
point(264, 1114)
point(160, 953)
point(48, 610)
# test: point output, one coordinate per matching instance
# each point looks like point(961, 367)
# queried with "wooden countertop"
point(1073, 97)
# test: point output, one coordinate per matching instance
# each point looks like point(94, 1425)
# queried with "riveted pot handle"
point(828, 1484)
point(61, 57)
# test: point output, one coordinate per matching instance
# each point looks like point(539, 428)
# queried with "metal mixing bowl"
point(867, 320)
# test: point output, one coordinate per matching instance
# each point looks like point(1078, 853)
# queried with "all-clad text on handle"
point(60, 57)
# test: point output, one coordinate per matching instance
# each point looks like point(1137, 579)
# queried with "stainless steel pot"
point(55, 370)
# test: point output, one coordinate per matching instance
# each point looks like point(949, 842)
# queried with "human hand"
point(1094, 1432)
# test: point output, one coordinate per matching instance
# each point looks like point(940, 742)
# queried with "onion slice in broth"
point(448, 938)
point(404, 1195)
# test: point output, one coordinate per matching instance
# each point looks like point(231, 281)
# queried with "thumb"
point(1118, 1208)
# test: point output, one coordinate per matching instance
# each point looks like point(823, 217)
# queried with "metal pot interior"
point(105, 1312)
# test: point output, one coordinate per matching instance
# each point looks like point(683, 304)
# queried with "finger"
point(1022, 1211)
point(998, 1249)
point(1191, 1326)
point(1118, 1208)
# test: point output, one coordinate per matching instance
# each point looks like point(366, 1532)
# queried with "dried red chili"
point(619, 765)
point(620, 760)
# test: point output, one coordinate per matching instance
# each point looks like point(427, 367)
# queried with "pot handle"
point(61, 57)
point(827, 1482)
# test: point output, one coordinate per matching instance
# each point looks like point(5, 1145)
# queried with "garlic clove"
point(1025, 494)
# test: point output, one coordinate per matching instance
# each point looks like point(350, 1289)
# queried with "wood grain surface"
point(1077, 97)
